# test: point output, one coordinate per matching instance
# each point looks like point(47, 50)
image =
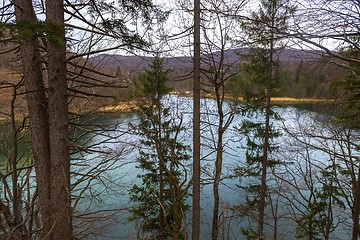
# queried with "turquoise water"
point(109, 170)
point(294, 119)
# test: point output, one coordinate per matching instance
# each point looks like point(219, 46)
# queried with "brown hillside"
point(8, 81)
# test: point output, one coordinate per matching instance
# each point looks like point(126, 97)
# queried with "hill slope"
point(138, 63)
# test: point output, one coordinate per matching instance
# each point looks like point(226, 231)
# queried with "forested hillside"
point(301, 74)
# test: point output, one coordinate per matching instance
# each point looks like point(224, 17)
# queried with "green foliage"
point(256, 69)
point(253, 85)
point(254, 135)
point(152, 83)
point(238, 87)
point(314, 221)
point(349, 89)
point(308, 222)
point(317, 220)
point(249, 233)
point(249, 171)
point(144, 11)
point(270, 19)
point(264, 34)
point(160, 198)
point(290, 79)
point(28, 30)
point(261, 71)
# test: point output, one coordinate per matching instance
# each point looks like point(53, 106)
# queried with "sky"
point(175, 36)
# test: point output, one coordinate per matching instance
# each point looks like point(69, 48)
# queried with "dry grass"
point(121, 107)
point(275, 100)
point(288, 100)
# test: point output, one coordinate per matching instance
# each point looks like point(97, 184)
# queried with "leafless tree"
point(217, 33)
point(320, 185)
point(42, 45)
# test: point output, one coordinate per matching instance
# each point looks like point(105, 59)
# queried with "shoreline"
point(131, 106)
point(274, 100)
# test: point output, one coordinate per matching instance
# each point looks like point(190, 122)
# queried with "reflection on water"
point(294, 118)
point(107, 169)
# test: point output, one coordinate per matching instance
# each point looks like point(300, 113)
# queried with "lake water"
point(109, 170)
point(295, 119)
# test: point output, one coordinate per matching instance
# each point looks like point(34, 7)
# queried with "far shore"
point(275, 100)
point(131, 106)
point(288, 100)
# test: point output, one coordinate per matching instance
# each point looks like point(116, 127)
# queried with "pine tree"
point(261, 68)
point(348, 116)
point(160, 198)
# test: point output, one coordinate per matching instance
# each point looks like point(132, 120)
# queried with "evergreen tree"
point(350, 89)
point(160, 198)
point(347, 116)
point(264, 37)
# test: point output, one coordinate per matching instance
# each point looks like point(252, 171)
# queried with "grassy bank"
point(130, 106)
point(274, 100)
point(287, 100)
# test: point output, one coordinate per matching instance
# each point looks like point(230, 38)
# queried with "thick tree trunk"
point(196, 126)
point(37, 105)
point(177, 219)
point(356, 211)
point(217, 178)
point(58, 122)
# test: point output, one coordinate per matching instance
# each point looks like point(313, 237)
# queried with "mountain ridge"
point(139, 63)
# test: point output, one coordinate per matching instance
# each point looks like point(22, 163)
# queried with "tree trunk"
point(160, 153)
point(16, 197)
point(263, 187)
point(196, 126)
point(218, 170)
point(178, 212)
point(37, 106)
point(58, 122)
point(356, 212)
point(161, 193)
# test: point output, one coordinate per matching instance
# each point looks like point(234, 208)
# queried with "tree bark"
point(219, 160)
point(196, 126)
point(58, 122)
point(15, 190)
point(218, 170)
point(161, 172)
point(263, 186)
point(356, 211)
point(37, 106)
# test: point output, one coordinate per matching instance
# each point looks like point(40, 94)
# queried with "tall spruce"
point(42, 47)
point(349, 117)
point(60, 193)
point(264, 33)
point(31, 64)
point(161, 159)
point(48, 116)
